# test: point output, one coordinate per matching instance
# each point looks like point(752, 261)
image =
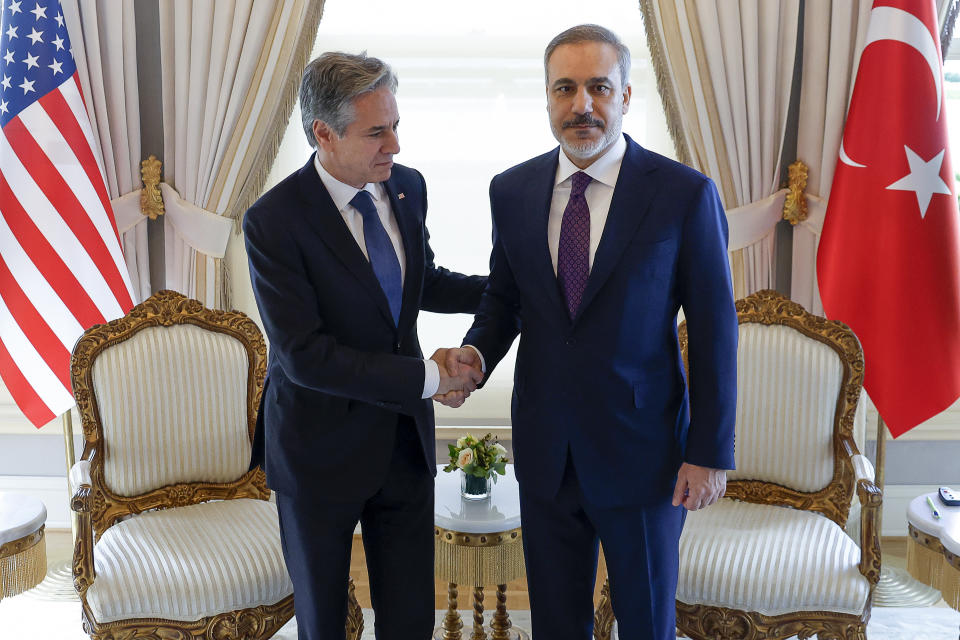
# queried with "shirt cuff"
point(483, 363)
point(431, 378)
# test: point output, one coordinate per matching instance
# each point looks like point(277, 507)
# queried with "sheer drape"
point(104, 41)
point(229, 74)
point(725, 71)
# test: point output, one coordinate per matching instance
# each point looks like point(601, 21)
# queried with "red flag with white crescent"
point(889, 258)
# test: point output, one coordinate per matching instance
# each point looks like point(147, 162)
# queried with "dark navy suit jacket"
point(609, 386)
point(339, 370)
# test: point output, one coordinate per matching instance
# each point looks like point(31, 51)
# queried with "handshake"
point(460, 373)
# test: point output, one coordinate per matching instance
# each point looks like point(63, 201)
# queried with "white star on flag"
point(35, 36)
point(59, 19)
point(56, 66)
point(924, 179)
point(5, 83)
point(39, 12)
point(9, 57)
point(27, 86)
point(58, 41)
point(12, 32)
point(15, 8)
point(3, 107)
point(31, 61)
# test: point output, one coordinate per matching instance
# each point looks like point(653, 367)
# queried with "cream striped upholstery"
point(772, 560)
point(173, 405)
point(189, 563)
point(787, 387)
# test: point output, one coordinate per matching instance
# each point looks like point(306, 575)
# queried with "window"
point(472, 103)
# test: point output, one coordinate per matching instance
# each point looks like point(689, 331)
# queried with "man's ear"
point(323, 134)
point(627, 94)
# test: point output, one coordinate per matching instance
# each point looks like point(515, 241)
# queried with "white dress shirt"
point(599, 194)
point(341, 194)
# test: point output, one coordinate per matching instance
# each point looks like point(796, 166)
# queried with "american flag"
point(61, 266)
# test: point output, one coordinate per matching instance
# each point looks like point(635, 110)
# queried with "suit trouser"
point(560, 546)
point(397, 528)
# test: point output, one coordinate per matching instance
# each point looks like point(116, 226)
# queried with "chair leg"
point(354, 613)
point(603, 616)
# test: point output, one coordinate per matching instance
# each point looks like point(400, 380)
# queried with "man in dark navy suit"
point(341, 265)
point(597, 245)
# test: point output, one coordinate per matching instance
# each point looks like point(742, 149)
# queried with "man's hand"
point(698, 487)
point(457, 379)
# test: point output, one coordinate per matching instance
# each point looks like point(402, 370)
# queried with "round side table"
point(933, 548)
point(23, 550)
point(478, 543)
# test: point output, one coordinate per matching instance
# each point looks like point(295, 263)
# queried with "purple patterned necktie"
point(573, 254)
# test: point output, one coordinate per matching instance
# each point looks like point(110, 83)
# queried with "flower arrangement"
point(481, 458)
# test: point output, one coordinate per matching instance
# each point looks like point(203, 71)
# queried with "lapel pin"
point(400, 196)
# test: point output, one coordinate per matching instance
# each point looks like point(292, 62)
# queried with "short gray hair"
point(330, 83)
point(592, 33)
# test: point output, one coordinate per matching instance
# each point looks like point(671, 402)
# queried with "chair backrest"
point(168, 396)
point(799, 378)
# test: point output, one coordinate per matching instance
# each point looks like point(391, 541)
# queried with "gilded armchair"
point(176, 538)
point(772, 559)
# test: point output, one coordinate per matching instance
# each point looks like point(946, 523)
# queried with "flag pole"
point(897, 588)
point(70, 453)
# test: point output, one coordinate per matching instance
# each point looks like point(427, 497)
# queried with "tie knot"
point(363, 202)
point(580, 182)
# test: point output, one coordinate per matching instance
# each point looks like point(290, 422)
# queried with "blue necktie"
point(383, 257)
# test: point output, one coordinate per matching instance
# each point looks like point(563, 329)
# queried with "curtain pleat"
point(229, 74)
point(104, 41)
point(725, 72)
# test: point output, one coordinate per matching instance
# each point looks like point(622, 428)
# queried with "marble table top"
point(500, 512)
point(946, 528)
point(20, 515)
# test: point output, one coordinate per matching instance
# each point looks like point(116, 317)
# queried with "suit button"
point(396, 348)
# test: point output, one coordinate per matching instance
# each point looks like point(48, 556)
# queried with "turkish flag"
point(889, 258)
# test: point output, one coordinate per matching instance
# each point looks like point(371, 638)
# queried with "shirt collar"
point(340, 192)
point(604, 169)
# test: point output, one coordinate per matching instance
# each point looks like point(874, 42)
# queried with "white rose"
point(500, 450)
point(465, 458)
point(461, 442)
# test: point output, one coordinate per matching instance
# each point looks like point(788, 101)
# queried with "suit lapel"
point(535, 213)
point(324, 217)
point(411, 232)
point(632, 195)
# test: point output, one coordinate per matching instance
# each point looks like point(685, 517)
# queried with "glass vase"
point(474, 488)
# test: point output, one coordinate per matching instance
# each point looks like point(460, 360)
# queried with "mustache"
point(584, 120)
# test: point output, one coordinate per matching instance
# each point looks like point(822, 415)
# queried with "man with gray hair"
point(597, 245)
point(341, 264)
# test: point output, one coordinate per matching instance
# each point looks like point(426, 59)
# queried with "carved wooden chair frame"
point(98, 508)
point(702, 622)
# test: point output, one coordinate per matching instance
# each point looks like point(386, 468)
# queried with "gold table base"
point(23, 563)
point(500, 626)
point(930, 563)
point(478, 559)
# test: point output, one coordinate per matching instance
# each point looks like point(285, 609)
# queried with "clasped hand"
point(460, 373)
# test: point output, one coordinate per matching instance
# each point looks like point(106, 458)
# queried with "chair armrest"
point(871, 501)
point(81, 504)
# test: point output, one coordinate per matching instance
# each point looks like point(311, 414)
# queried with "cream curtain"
point(724, 71)
point(834, 31)
point(104, 42)
point(229, 73)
